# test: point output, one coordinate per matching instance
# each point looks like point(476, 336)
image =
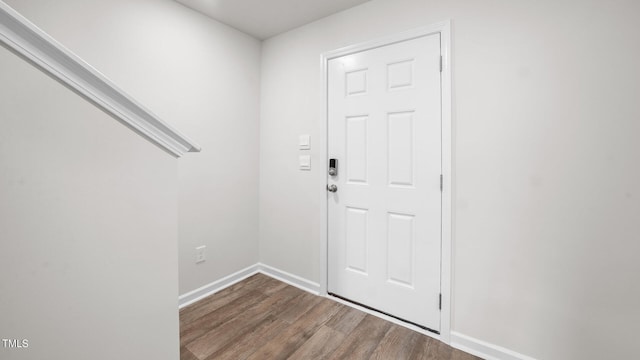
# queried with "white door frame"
point(444, 28)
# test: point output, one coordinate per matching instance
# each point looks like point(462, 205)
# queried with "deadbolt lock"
point(333, 167)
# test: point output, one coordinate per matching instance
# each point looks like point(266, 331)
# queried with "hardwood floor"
point(263, 318)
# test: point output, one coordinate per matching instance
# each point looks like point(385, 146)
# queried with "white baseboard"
point(212, 288)
point(289, 278)
point(484, 349)
point(218, 285)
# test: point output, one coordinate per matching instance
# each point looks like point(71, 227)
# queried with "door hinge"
point(441, 183)
point(440, 63)
point(440, 302)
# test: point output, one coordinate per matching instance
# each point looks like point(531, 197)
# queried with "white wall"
point(546, 176)
point(547, 196)
point(88, 228)
point(203, 78)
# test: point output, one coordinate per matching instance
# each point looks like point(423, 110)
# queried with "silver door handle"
point(332, 188)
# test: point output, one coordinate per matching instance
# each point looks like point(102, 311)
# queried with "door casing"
point(444, 28)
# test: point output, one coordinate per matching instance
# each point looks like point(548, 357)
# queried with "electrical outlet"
point(200, 254)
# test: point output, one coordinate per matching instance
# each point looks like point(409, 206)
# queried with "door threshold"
point(384, 313)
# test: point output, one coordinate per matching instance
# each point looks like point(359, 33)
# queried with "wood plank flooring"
point(263, 318)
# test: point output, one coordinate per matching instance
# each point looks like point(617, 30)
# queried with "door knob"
point(332, 188)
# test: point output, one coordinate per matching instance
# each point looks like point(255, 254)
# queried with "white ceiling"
point(265, 18)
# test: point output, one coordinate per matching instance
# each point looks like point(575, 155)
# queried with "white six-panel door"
point(384, 128)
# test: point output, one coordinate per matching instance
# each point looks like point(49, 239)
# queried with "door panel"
point(356, 149)
point(400, 138)
point(384, 127)
point(356, 240)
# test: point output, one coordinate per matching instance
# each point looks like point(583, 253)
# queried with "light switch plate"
point(305, 142)
point(305, 162)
